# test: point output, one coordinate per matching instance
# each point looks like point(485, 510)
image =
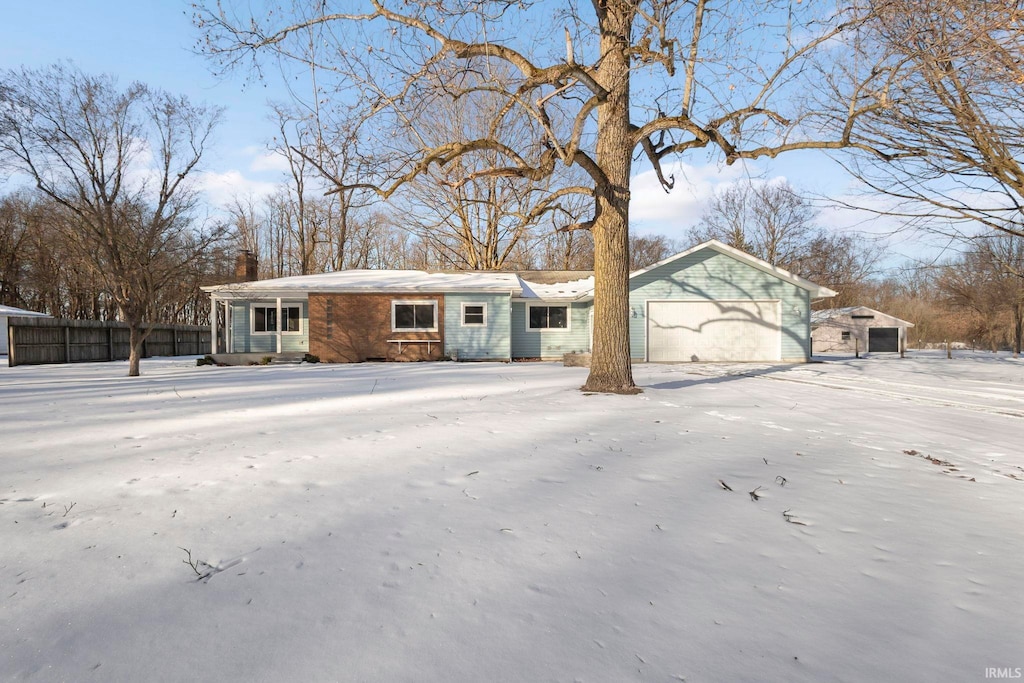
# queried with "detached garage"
point(716, 303)
point(857, 328)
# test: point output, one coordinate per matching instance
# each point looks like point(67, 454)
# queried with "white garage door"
point(713, 331)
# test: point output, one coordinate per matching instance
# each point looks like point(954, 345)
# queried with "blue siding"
point(490, 342)
point(246, 342)
point(711, 275)
point(550, 343)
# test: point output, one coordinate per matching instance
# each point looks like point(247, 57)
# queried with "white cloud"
point(221, 188)
point(263, 160)
point(652, 210)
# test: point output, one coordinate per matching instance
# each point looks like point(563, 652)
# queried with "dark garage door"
point(882, 339)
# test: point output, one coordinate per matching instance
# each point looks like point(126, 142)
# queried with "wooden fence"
point(36, 341)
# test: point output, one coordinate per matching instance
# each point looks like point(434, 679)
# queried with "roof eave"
point(249, 292)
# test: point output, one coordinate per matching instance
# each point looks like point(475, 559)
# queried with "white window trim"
point(271, 304)
point(462, 317)
point(568, 318)
point(416, 302)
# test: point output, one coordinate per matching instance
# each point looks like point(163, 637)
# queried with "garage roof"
point(833, 313)
point(817, 291)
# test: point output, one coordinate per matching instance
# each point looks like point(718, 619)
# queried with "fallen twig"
point(190, 562)
point(753, 494)
point(724, 485)
point(790, 518)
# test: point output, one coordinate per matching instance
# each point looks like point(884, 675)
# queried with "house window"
point(548, 318)
point(474, 315)
point(846, 336)
point(264, 319)
point(414, 316)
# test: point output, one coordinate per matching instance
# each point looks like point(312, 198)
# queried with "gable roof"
point(816, 290)
point(832, 313)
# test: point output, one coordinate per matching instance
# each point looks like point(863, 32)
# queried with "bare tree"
point(729, 76)
point(248, 224)
point(768, 220)
point(117, 162)
point(469, 218)
point(562, 250)
point(14, 242)
point(953, 108)
point(988, 282)
point(304, 230)
point(845, 263)
point(646, 250)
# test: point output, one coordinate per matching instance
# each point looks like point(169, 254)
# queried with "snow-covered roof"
point(816, 290)
point(833, 313)
point(548, 285)
point(12, 312)
point(376, 281)
point(573, 290)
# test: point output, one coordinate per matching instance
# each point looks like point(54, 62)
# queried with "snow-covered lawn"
point(488, 522)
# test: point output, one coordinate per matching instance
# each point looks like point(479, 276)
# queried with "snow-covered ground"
point(488, 522)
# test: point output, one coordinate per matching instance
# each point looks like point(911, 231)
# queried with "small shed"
point(12, 312)
point(857, 328)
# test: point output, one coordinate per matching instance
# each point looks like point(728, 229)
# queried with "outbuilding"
point(857, 329)
point(12, 312)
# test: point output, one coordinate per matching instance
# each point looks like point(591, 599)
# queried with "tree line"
point(494, 149)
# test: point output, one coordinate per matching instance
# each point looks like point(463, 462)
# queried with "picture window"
point(548, 318)
point(414, 316)
point(264, 319)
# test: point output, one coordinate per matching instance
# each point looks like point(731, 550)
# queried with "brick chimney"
point(246, 266)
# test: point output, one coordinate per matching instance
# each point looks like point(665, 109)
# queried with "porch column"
point(213, 323)
point(229, 328)
point(280, 324)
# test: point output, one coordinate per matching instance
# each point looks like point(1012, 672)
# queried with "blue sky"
point(152, 42)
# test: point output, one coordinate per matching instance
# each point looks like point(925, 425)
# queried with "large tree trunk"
point(610, 369)
point(135, 341)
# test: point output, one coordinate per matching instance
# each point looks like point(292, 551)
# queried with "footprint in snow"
point(67, 523)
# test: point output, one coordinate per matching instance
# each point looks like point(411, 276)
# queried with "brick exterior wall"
point(351, 328)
